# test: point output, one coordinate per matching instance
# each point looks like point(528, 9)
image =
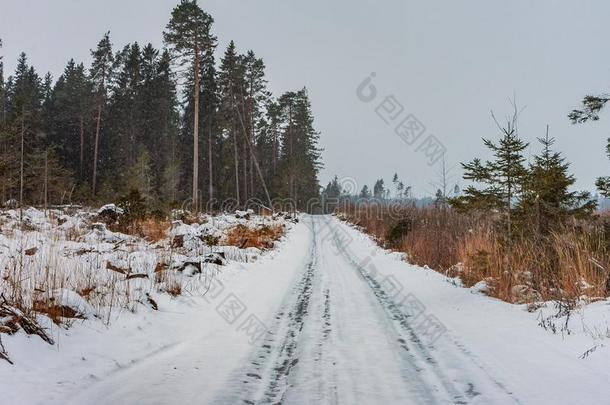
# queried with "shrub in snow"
point(397, 232)
point(191, 268)
point(292, 217)
point(523, 294)
point(99, 233)
point(185, 236)
point(243, 214)
point(217, 258)
point(134, 207)
point(110, 214)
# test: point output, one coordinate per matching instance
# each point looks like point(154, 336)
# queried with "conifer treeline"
point(122, 123)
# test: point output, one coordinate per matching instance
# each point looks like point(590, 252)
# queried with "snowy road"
point(340, 338)
point(344, 322)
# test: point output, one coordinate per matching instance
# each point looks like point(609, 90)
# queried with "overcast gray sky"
point(449, 63)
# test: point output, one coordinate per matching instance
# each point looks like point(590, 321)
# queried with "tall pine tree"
point(100, 72)
point(188, 35)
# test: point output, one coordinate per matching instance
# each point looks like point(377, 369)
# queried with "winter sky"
point(448, 63)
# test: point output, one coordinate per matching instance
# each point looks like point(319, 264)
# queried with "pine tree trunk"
point(291, 191)
point(196, 134)
point(254, 162)
point(253, 156)
point(210, 166)
point(245, 169)
point(252, 190)
point(275, 148)
point(21, 177)
point(82, 146)
point(235, 154)
point(96, 147)
point(46, 179)
point(510, 243)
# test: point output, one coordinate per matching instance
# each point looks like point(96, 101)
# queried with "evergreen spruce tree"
point(2, 92)
point(100, 72)
point(365, 193)
point(159, 124)
point(273, 120)
point(400, 187)
point(300, 157)
point(5, 184)
point(70, 117)
point(254, 98)
point(379, 189)
point(499, 182)
point(331, 195)
point(501, 179)
point(124, 119)
point(118, 127)
point(210, 118)
point(127, 104)
point(188, 35)
point(167, 113)
point(395, 182)
point(230, 83)
point(547, 201)
point(25, 107)
point(140, 177)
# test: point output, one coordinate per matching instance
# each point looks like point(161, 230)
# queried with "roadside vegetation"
point(518, 231)
point(570, 263)
point(65, 265)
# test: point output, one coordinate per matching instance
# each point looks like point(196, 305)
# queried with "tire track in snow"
point(266, 379)
point(423, 354)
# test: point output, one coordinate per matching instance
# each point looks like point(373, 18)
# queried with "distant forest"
point(173, 124)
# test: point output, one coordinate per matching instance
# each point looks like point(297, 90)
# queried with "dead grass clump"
point(430, 236)
point(261, 237)
point(571, 263)
point(173, 288)
point(74, 234)
point(584, 261)
point(85, 292)
point(154, 229)
point(57, 313)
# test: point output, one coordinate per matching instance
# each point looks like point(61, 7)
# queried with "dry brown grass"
point(261, 237)
point(572, 262)
point(173, 286)
point(57, 313)
point(153, 229)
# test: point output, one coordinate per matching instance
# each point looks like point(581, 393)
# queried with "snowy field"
point(324, 317)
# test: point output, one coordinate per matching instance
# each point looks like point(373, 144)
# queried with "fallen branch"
point(3, 353)
point(29, 325)
point(136, 275)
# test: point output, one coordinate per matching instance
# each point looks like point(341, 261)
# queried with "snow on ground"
point(68, 259)
point(502, 340)
point(326, 317)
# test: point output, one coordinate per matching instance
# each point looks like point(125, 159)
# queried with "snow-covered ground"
point(326, 317)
